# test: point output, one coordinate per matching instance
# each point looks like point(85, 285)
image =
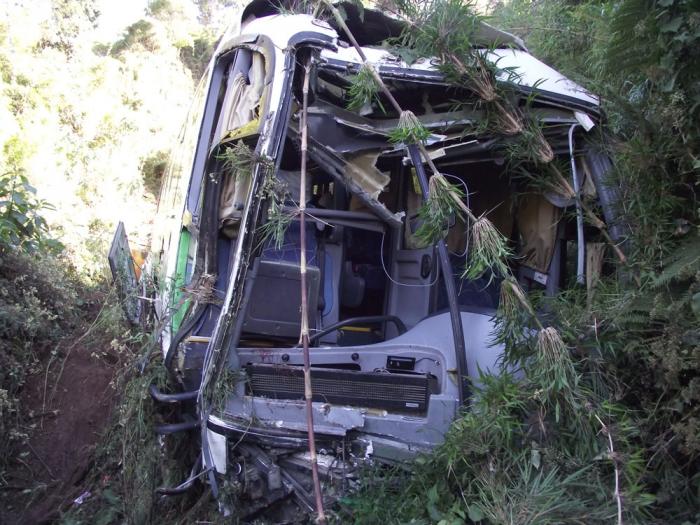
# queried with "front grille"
point(388, 391)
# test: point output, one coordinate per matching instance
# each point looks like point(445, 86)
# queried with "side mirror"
point(124, 273)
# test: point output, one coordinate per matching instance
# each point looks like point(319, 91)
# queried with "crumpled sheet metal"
point(361, 168)
point(366, 187)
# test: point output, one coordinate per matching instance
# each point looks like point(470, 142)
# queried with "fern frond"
point(683, 263)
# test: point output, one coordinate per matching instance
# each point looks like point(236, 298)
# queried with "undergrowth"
point(39, 305)
point(132, 460)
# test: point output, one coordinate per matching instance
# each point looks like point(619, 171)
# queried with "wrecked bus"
point(398, 337)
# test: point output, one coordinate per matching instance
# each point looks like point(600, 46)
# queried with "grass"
point(278, 219)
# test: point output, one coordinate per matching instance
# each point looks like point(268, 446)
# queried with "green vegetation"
point(601, 419)
point(363, 90)
point(613, 401)
point(83, 111)
point(410, 130)
point(38, 306)
point(85, 127)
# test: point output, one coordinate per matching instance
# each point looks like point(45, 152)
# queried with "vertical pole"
point(446, 268)
point(308, 393)
point(580, 241)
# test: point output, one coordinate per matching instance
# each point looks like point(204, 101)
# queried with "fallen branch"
point(617, 495)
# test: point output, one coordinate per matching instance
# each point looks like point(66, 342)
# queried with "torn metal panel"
point(361, 169)
point(323, 127)
point(337, 168)
point(289, 414)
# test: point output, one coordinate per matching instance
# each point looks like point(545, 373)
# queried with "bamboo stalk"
point(308, 393)
point(421, 147)
point(423, 151)
point(341, 22)
point(595, 220)
point(592, 217)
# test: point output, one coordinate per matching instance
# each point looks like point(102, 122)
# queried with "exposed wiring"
point(435, 361)
point(388, 276)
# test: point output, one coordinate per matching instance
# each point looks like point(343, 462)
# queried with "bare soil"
point(71, 410)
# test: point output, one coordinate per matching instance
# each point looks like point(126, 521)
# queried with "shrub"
point(545, 452)
point(39, 305)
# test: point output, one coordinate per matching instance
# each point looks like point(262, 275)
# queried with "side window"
point(236, 132)
point(174, 186)
point(240, 110)
point(170, 240)
point(224, 111)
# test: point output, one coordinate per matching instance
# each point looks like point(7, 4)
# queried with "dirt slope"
point(71, 410)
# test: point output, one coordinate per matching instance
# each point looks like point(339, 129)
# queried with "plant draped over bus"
point(239, 159)
point(449, 31)
point(278, 218)
point(410, 130)
point(553, 447)
point(364, 89)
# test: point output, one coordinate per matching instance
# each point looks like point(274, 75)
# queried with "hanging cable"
point(437, 276)
point(580, 241)
point(388, 276)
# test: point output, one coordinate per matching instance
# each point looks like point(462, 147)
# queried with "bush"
point(152, 170)
point(137, 34)
point(39, 305)
point(621, 403)
point(22, 225)
point(196, 55)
